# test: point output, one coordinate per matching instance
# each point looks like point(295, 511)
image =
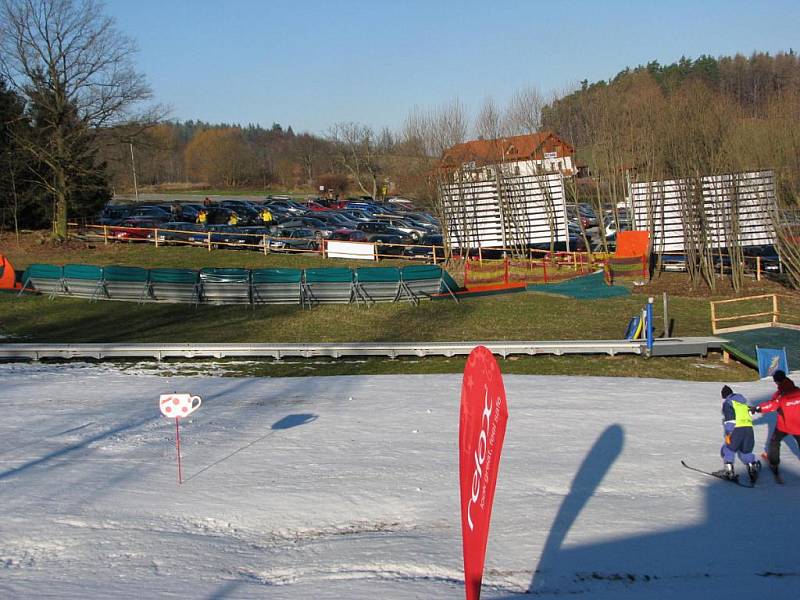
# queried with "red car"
point(315, 206)
point(134, 228)
point(349, 235)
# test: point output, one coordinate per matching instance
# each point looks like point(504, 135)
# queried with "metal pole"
point(178, 448)
point(133, 167)
point(666, 317)
point(649, 326)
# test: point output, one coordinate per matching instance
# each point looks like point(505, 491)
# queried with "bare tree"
point(75, 71)
point(489, 122)
point(524, 114)
point(362, 153)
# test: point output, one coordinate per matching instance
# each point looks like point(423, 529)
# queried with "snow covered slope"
point(346, 487)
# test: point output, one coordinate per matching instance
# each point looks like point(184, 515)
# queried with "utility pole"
point(133, 166)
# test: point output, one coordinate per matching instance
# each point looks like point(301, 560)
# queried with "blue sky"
point(313, 63)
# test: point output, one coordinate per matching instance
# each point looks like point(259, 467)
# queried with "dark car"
point(378, 231)
point(152, 212)
point(113, 214)
point(230, 235)
point(294, 240)
point(576, 244)
point(357, 215)
point(178, 232)
point(430, 247)
point(247, 213)
point(336, 219)
point(286, 204)
point(415, 232)
point(183, 213)
point(349, 235)
point(319, 227)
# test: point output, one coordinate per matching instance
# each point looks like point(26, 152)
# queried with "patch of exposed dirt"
point(679, 285)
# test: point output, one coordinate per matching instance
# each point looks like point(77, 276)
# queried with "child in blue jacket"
point(739, 439)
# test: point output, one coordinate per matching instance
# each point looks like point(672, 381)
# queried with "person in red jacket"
point(786, 400)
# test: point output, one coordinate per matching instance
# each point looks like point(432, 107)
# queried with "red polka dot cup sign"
point(178, 405)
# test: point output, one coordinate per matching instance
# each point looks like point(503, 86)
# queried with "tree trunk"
point(61, 202)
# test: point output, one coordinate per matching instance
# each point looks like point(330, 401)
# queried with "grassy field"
point(527, 316)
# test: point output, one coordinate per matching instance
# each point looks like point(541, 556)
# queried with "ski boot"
point(726, 473)
point(774, 469)
point(753, 469)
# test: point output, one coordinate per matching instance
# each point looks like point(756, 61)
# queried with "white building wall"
point(531, 211)
point(659, 206)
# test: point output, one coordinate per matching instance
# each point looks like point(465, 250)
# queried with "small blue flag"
point(771, 360)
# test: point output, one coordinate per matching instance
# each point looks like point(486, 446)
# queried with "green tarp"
point(333, 275)
point(378, 274)
point(767, 337)
point(125, 274)
point(40, 271)
point(276, 275)
point(588, 287)
point(417, 272)
point(87, 272)
point(173, 276)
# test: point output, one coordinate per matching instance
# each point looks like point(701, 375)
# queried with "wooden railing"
point(761, 318)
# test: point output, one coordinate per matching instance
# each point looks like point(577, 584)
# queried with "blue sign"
point(771, 360)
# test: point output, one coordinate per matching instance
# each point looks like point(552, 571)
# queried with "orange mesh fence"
point(633, 267)
point(509, 272)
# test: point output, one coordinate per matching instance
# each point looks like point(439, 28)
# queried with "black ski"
point(710, 474)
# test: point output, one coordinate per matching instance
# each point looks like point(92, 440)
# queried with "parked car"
point(178, 232)
point(414, 232)
point(404, 203)
point(287, 204)
point(336, 219)
point(610, 226)
point(316, 206)
point(247, 212)
point(319, 227)
point(349, 235)
point(294, 240)
point(152, 212)
point(380, 232)
point(357, 215)
point(581, 216)
point(134, 228)
point(770, 259)
point(430, 246)
point(113, 214)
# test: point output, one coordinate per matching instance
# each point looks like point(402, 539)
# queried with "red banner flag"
point(482, 427)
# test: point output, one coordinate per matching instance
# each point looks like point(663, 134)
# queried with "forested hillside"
point(707, 115)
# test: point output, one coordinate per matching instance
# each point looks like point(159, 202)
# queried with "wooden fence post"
point(774, 309)
point(505, 268)
point(105, 235)
point(264, 241)
point(155, 235)
point(713, 318)
point(208, 238)
point(544, 268)
point(758, 268)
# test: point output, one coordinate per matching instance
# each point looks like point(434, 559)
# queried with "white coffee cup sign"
point(178, 405)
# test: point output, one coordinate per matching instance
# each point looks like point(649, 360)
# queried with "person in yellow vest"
point(202, 217)
point(739, 439)
point(266, 216)
point(233, 219)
